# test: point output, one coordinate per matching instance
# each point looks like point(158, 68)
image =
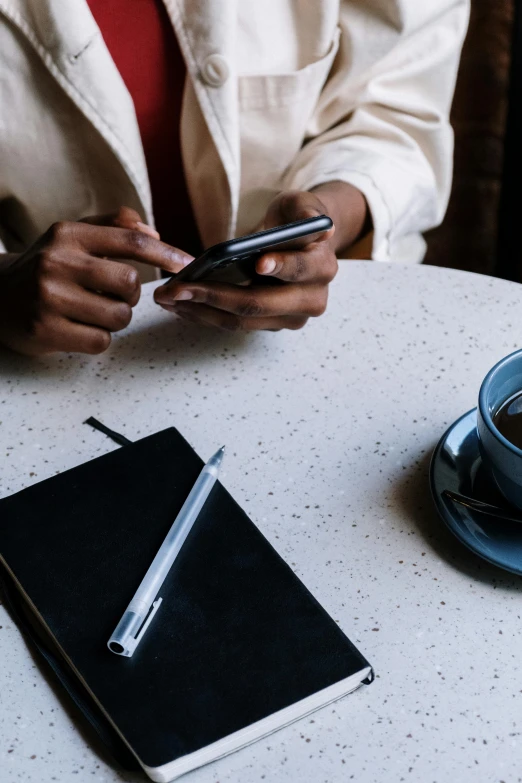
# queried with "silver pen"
point(138, 615)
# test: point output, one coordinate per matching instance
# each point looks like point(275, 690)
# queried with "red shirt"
point(144, 47)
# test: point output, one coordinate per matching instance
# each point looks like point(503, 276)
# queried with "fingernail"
point(147, 229)
point(268, 266)
point(164, 301)
point(184, 295)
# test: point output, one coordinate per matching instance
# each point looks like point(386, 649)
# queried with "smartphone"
point(234, 261)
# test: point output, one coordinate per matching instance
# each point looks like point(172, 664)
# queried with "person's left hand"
point(306, 273)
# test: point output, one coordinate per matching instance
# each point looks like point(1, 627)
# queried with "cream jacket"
point(280, 94)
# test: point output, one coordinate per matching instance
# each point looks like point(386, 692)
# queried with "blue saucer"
point(456, 465)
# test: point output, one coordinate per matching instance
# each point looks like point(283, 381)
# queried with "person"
point(134, 133)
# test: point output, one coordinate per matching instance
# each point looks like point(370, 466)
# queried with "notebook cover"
point(237, 637)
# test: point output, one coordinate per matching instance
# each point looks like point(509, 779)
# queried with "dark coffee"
point(508, 419)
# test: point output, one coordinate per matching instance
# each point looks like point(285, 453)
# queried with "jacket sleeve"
point(385, 128)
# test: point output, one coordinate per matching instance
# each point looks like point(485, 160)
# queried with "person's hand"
point(72, 288)
point(306, 274)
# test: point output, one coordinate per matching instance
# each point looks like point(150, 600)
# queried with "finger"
point(248, 301)
point(125, 217)
point(56, 333)
point(316, 264)
point(85, 307)
point(109, 277)
point(209, 316)
point(80, 338)
point(119, 243)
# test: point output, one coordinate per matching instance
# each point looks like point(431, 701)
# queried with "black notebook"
point(238, 648)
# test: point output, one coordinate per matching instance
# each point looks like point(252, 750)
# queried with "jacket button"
point(215, 70)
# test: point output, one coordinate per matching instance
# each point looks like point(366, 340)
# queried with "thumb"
point(125, 217)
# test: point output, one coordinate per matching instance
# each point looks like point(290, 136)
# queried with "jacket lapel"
point(66, 37)
point(68, 40)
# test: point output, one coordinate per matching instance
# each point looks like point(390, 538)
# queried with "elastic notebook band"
point(115, 436)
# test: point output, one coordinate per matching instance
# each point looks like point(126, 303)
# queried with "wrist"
point(347, 207)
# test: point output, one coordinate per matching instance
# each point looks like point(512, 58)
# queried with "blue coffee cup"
point(502, 459)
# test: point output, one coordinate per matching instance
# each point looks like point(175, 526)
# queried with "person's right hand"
point(73, 287)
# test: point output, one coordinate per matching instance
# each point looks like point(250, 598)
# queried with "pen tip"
point(222, 448)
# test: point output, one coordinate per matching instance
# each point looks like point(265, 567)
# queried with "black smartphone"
point(234, 261)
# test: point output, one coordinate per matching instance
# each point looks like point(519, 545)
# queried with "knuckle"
point(232, 323)
point(59, 231)
point(88, 263)
point(130, 280)
point(335, 267)
point(250, 308)
point(98, 342)
point(297, 324)
point(47, 264)
point(210, 297)
point(45, 292)
point(138, 241)
point(122, 316)
point(319, 304)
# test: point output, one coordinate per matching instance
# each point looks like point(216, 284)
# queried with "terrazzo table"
point(329, 432)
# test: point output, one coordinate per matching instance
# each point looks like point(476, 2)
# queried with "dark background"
point(481, 231)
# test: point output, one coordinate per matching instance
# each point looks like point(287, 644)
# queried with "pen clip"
point(133, 643)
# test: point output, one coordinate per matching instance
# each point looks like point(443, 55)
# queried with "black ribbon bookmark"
point(115, 436)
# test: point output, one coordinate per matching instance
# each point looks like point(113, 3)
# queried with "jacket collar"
point(67, 38)
point(68, 41)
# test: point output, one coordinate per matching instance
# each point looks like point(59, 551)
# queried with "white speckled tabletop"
point(329, 433)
